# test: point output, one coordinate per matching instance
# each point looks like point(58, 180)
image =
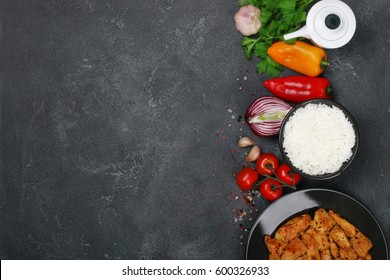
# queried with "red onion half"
point(265, 115)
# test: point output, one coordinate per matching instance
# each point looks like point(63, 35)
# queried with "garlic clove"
point(247, 20)
point(253, 154)
point(245, 142)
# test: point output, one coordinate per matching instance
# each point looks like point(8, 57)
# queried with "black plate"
point(308, 201)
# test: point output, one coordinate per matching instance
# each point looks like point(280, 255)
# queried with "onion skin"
point(265, 115)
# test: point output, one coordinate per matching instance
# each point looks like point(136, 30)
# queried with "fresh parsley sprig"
point(278, 17)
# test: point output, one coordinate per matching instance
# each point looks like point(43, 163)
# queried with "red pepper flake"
point(240, 214)
point(243, 228)
point(233, 196)
point(247, 199)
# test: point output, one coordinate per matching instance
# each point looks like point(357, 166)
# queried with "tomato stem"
point(280, 181)
point(271, 167)
point(291, 174)
point(273, 187)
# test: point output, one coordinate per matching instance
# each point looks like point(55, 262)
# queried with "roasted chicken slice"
point(320, 237)
point(361, 244)
point(348, 254)
point(339, 237)
point(292, 228)
point(350, 229)
point(368, 257)
point(274, 246)
point(311, 244)
point(334, 250)
point(326, 255)
point(322, 221)
point(293, 250)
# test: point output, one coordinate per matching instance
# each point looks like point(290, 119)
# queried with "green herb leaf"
point(273, 63)
point(287, 6)
point(261, 49)
point(247, 41)
point(273, 71)
point(261, 66)
point(269, 67)
point(291, 41)
point(295, 18)
point(269, 4)
point(248, 44)
point(265, 16)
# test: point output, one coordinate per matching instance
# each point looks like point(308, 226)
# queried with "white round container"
point(330, 24)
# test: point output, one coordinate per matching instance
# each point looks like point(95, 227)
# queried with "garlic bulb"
point(247, 20)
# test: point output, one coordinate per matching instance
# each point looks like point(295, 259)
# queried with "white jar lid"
point(331, 24)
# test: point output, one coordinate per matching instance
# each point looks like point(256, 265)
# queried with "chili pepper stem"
point(329, 91)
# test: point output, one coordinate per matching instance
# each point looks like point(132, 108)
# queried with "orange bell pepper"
point(300, 57)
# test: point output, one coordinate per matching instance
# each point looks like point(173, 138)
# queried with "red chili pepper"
point(299, 88)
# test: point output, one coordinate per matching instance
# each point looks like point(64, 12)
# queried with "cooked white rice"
point(318, 139)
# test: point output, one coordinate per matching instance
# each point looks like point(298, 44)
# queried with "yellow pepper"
point(300, 57)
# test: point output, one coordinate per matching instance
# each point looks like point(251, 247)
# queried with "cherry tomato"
point(267, 164)
point(285, 174)
point(271, 189)
point(246, 177)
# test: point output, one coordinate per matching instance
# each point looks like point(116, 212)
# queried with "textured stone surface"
point(118, 127)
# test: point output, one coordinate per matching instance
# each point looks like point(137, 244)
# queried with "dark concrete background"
point(118, 127)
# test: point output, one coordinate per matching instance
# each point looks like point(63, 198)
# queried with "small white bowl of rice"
point(319, 139)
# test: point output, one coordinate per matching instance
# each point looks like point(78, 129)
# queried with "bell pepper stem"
point(323, 63)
